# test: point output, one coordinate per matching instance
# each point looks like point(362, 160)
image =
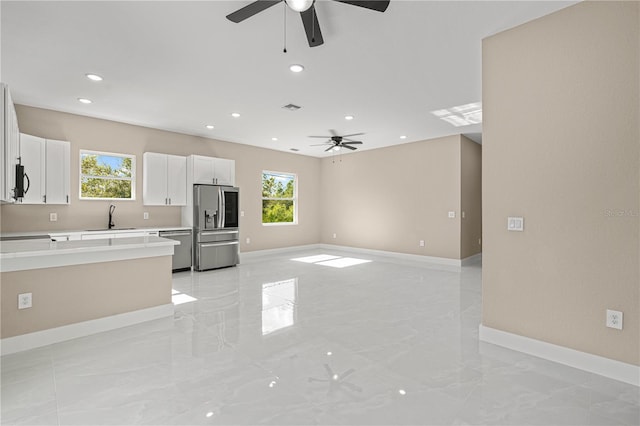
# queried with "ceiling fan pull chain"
point(285, 27)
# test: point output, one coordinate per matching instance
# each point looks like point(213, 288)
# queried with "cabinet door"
point(177, 181)
point(224, 171)
point(154, 180)
point(10, 145)
point(202, 169)
point(32, 153)
point(57, 171)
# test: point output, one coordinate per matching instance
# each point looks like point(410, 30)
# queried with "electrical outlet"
point(334, 235)
point(479, 241)
point(53, 217)
point(248, 240)
point(24, 300)
point(614, 319)
point(421, 243)
point(241, 213)
point(463, 214)
point(145, 215)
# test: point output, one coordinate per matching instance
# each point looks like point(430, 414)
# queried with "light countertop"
point(36, 254)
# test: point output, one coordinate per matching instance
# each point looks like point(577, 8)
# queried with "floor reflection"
point(279, 305)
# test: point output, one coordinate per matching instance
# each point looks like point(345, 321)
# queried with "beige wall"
point(561, 148)
point(470, 198)
point(64, 295)
point(391, 198)
point(103, 135)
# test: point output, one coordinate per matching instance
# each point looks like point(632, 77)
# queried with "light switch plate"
point(452, 215)
point(515, 223)
point(145, 215)
point(53, 217)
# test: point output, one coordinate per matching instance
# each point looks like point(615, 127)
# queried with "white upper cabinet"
point(32, 154)
point(9, 145)
point(46, 168)
point(203, 169)
point(57, 168)
point(164, 180)
point(212, 171)
point(177, 183)
point(224, 171)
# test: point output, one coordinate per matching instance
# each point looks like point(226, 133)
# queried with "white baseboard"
point(472, 260)
point(610, 368)
point(41, 338)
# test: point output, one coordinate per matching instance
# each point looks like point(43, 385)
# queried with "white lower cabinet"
point(46, 167)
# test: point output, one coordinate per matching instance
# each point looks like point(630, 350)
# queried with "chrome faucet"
point(111, 209)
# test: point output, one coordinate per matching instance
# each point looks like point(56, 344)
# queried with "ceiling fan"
point(336, 141)
point(307, 13)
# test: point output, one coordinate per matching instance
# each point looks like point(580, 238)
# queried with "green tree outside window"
point(278, 197)
point(107, 176)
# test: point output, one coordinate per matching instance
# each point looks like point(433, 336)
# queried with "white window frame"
point(110, 154)
point(294, 199)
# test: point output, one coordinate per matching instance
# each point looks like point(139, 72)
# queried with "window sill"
point(280, 224)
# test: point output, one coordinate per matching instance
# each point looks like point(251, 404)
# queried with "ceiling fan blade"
point(377, 5)
point(320, 144)
point(330, 148)
point(312, 27)
point(352, 148)
point(251, 9)
point(352, 143)
point(353, 134)
point(333, 132)
point(324, 137)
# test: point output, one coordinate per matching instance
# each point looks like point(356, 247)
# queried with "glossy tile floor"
point(320, 340)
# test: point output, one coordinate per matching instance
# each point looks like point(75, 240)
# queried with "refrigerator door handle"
point(224, 208)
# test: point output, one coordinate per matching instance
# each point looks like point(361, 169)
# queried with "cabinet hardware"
point(44, 198)
point(67, 199)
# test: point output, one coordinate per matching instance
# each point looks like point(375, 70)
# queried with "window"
point(279, 198)
point(104, 175)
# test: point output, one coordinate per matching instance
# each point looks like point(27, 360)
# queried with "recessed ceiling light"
point(235, 114)
point(296, 68)
point(403, 137)
point(274, 139)
point(84, 101)
point(93, 77)
point(209, 126)
point(348, 117)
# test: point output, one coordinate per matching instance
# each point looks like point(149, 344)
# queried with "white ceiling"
point(181, 65)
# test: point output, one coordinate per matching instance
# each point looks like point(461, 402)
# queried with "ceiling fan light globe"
point(299, 5)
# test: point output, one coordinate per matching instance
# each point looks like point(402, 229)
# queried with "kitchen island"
point(81, 287)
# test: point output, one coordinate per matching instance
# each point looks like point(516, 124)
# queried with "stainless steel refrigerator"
point(215, 226)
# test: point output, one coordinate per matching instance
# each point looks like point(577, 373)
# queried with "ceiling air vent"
point(291, 107)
